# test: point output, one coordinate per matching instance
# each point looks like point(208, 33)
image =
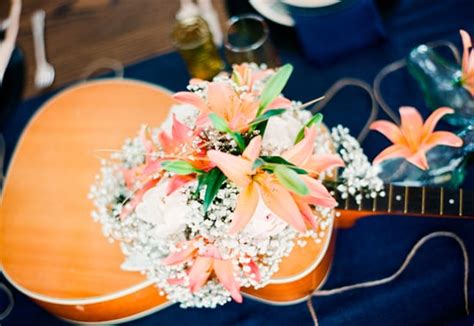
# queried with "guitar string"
point(408, 259)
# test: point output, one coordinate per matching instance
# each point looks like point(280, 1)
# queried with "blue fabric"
point(430, 291)
point(326, 34)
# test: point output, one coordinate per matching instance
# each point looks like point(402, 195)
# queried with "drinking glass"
point(247, 40)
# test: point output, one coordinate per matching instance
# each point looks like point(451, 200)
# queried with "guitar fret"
point(451, 202)
point(405, 207)
point(398, 204)
point(412, 200)
point(432, 204)
point(423, 199)
point(390, 194)
point(441, 201)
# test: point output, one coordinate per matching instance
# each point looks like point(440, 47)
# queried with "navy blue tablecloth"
point(430, 292)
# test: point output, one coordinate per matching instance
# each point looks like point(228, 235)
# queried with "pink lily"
point(131, 176)
point(413, 139)
point(181, 137)
point(467, 79)
point(202, 267)
point(146, 173)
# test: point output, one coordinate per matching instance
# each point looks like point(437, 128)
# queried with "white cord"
point(340, 84)
point(408, 259)
point(394, 66)
point(4, 314)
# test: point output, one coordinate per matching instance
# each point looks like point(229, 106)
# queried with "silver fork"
point(44, 75)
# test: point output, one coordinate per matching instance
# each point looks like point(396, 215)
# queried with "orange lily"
point(244, 75)
point(302, 156)
point(413, 139)
point(239, 170)
point(237, 111)
point(276, 197)
point(467, 79)
point(203, 265)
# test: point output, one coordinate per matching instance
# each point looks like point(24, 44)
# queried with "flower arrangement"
point(216, 197)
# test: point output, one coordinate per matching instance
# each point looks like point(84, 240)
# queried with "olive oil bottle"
point(193, 40)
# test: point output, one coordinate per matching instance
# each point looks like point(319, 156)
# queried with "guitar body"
point(51, 249)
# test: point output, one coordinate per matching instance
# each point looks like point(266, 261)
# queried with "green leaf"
point(214, 180)
point(273, 161)
point(238, 139)
point(261, 127)
point(267, 115)
point(317, 118)
point(258, 163)
point(276, 160)
point(291, 180)
point(219, 123)
point(236, 77)
point(179, 167)
point(201, 179)
point(298, 170)
point(274, 86)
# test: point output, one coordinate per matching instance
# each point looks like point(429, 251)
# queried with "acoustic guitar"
point(52, 251)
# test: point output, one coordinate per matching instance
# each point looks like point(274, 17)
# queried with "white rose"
point(264, 223)
point(167, 213)
point(281, 132)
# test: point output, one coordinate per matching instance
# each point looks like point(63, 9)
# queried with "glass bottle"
point(192, 38)
point(440, 81)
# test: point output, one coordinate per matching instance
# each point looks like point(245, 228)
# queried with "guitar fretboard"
point(414, 200)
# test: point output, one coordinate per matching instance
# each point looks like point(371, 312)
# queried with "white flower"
point(281, 131)
point(264, 223)
point(167, 213)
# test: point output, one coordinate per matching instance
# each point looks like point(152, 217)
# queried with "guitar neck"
point(413, 201)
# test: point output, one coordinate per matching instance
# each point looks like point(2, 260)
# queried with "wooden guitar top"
point(51, 249)
point(49, 238)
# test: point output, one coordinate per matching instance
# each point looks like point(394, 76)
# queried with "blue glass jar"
point(440, 81)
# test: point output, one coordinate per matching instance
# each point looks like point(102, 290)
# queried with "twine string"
point(336, 87)
point(11, 302)
point(408, 259)
point(394, 66)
